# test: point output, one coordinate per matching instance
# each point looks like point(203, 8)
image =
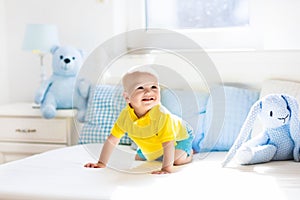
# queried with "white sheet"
point(59, 174)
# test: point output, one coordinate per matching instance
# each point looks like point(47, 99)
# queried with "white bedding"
point(59, 174)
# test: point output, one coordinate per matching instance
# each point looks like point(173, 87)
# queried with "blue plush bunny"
point(62, 90)
point(280, 139)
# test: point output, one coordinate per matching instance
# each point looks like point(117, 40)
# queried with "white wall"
point(82, 23)
point(243, 68)
point(280, 23)
point(3, 64)
point(87, 23)
point(252, 68)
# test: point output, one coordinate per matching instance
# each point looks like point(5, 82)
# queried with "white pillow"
point(280, 86)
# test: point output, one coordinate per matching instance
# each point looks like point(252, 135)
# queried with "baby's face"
point(145, 97)
point(143, 93)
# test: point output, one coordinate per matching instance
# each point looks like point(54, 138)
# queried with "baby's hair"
point(146, 69)
point(143, 68)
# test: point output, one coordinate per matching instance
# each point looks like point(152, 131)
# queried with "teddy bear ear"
point(54, 49)
point(82, 53)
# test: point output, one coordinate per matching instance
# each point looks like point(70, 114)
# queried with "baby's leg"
point(139, 155)
point(48, 107)
point(181, 157)
point(183, 149)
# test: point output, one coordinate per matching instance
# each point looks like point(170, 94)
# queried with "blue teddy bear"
point(62, 90)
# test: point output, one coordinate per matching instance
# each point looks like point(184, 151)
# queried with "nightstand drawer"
point(10, 151)
point(33, 130)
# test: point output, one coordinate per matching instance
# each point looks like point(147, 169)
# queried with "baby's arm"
point(168, 158)
point(106, 152)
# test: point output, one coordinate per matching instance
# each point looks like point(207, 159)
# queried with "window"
point(196, 14)
point(272, 25)
point(213, 24)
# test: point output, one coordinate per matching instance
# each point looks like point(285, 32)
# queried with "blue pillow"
point(181, 102)
point(188, 105)
point(238, 102)
point(104, 106)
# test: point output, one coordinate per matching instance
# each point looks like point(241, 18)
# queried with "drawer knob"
point(26, 130)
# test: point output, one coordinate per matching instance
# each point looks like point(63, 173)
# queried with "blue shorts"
point(185, 145)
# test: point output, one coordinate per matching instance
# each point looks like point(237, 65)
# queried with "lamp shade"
point(40, 38)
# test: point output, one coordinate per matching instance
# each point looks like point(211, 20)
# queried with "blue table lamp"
point(39, 39)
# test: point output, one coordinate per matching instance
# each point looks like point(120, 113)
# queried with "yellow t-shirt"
point(150, 131)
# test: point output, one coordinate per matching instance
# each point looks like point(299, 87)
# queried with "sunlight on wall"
point(3, 63)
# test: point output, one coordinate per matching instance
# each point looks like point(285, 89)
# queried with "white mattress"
point(59, 174)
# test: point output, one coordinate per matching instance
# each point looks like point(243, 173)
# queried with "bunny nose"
point(67, 60)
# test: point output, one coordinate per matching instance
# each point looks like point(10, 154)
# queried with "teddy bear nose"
point(67, 60)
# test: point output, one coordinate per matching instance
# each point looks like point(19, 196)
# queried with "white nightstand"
point(23, 131)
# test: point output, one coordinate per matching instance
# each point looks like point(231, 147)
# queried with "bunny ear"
point(244, 133)
point(294, 123)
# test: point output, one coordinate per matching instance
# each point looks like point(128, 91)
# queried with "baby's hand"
point(95, 165)
point(165, 170)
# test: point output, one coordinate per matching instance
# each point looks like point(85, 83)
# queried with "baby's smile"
point(148, 99)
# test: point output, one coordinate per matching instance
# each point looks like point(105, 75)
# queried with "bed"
point(60, 173)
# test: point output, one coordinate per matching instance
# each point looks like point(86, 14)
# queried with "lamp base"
point(43, 69)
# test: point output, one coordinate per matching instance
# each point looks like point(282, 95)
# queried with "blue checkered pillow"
point(105, 104)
